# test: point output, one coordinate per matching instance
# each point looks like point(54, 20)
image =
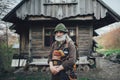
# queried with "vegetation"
point(110, 40)
point(32, 76)
point(6, 53)
point(109, 51)
point(109, 43)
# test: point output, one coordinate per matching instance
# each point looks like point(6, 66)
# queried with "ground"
point(106, 70)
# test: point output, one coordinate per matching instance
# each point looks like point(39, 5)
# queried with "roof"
point(110, 10)
point(114, 5)
point(58, 10)
point(11, 16)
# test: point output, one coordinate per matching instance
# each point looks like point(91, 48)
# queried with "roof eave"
point(12, 12)
point(110, 11)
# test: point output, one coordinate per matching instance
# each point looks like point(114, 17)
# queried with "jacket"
point(68, 61)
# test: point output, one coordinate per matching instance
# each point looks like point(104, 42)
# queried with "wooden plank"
point(36, 33)
point(41, 52)
point(39, 55)
point(81, 18)
point(39, 18)
point(37, 46)
point(77, 31)
point(24, 51)
point(30, 42)
point(84, 53)
point(83, 47)
point(37, 28)
point(32, 7)
point(37, 37)
point(84, 31)
point(84, 44)
point(84, 38)
point(81, 7)
point(80, 41)
point(36, 42)
point(36, 7)
point(84, 35)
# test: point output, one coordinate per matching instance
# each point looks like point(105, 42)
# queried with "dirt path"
point(106, 70)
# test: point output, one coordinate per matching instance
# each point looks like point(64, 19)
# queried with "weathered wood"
point(36, 42)
point(61, 10)
point(41, 52)
point(37, 33)
point(84, 32)
point(37, 47)
point(39, 18)
point(85, 37)
point(77, 34)
point(81, 18)
point(43, 31)
point(24, 43)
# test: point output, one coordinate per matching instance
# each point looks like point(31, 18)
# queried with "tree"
point(110, 40)
point(6, 51)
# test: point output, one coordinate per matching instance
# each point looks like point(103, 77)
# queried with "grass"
point(29, 76)
point(109, 51)
point(35, 76)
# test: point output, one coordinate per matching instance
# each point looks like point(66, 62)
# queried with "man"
point(63, 54)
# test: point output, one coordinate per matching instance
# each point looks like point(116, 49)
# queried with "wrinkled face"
point(60, 36)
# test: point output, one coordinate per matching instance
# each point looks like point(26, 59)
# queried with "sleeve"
point(50, 54)
point(68, 63)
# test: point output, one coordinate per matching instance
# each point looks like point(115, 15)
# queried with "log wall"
point(37, 48)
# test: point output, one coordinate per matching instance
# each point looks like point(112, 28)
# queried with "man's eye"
point(61, 32)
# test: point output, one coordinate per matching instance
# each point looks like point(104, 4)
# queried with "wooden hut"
point(35, 20)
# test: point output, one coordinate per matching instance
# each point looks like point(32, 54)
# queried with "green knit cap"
point(61, 27)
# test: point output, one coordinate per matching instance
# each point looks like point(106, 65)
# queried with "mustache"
point(59, 36)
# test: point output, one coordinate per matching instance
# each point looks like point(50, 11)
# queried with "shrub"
point(111, 40)
point(110, 52)
point(6, 54)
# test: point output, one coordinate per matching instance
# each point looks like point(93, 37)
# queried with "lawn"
point(25, 76)
point(29, 76)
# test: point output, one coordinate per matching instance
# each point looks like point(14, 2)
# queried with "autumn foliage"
point(111, 39)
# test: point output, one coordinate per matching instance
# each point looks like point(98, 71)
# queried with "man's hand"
point(59, 68)
point(54, 70)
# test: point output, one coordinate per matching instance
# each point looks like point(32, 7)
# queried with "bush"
point(111, 40)
point(6, 54)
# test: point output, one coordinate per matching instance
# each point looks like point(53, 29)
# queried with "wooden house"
point(35, 20)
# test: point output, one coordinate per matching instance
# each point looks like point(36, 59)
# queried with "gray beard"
point(61, 38)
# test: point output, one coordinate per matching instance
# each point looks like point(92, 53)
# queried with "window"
point(49, 36)
point(72, 34)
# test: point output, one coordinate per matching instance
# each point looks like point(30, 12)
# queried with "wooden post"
point(77, 32)
point(43, 34)
point(30, 38)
